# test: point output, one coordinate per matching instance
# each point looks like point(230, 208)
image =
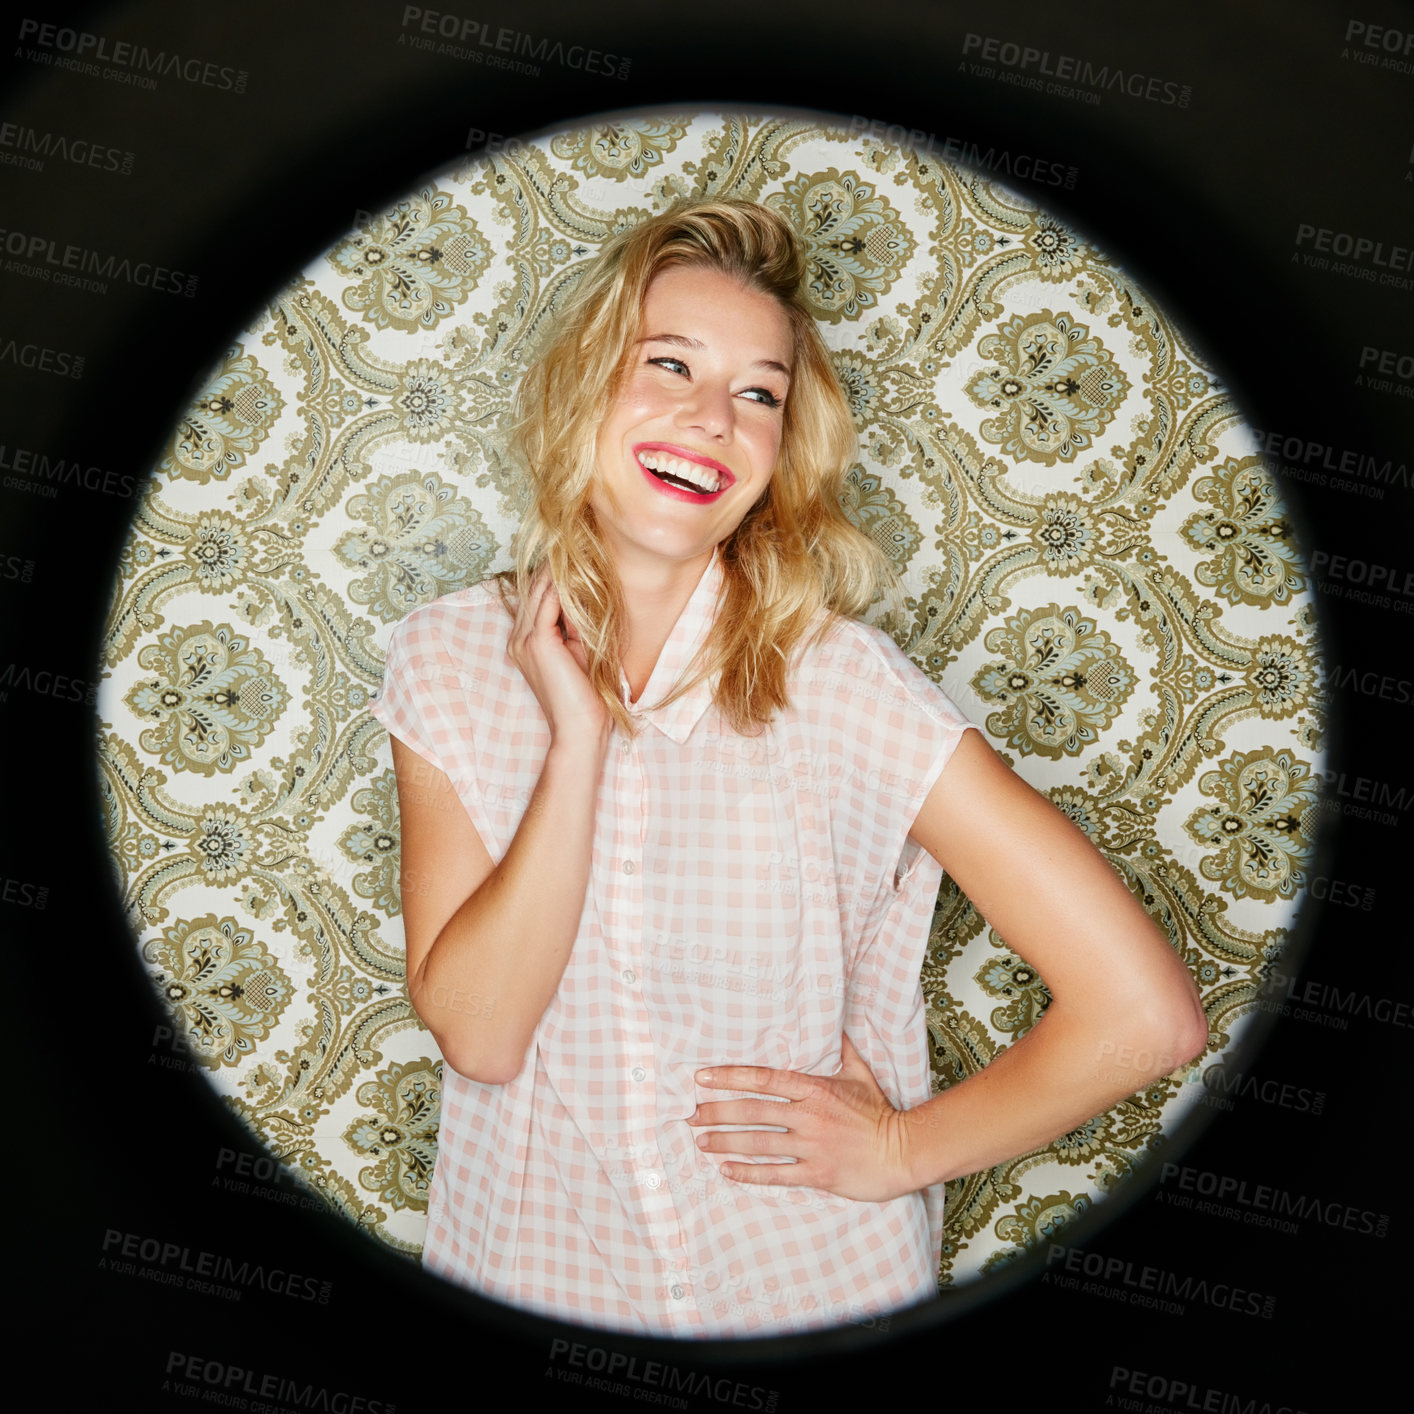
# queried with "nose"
point(707, 407)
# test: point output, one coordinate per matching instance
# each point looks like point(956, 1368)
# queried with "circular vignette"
point(1099, 569)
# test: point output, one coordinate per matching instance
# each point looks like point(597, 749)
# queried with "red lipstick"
point(725, 477)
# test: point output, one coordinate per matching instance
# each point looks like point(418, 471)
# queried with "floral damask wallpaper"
point(1099, 570)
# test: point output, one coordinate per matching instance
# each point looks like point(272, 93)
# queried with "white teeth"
point(683, 470)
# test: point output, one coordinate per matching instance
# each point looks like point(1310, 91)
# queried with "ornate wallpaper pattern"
point(1099, 569)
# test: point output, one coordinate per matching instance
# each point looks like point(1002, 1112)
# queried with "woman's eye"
point(766, 397)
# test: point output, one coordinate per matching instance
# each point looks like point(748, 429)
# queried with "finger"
point(750, 1141)
point(754, 1077)
point(572, 639)
point(546, 613)
point(536, 587)
point(529, 607)
point(548, 609)
point(740, 1112)
point(851, 1062)
point(579, 653)
point(795, 1175)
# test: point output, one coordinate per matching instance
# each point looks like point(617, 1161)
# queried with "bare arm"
point(1124, 1008)
point(1124, 1011)
point(487, 943)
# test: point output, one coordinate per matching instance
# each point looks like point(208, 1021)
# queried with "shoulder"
point(886, 726)
point(862, 663)
point(466, 624)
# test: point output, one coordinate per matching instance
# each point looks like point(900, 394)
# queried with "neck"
point(655, 592)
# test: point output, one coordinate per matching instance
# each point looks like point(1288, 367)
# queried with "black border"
point(1202, 203)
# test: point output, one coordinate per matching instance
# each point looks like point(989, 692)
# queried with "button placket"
point(655, 1191)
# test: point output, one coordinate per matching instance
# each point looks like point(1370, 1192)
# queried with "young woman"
point(680, 819)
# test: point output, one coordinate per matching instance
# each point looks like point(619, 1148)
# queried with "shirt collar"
point(679, 653)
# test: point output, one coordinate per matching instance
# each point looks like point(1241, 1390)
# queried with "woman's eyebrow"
point(682, 341)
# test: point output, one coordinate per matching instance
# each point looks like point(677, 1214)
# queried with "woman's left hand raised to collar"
point(841, 1130)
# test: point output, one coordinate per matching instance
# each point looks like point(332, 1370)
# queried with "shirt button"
point(625, 745)
point(629, 975)
point(653, 1180)
point(638, 1072)
point(676, 1292)
point(628, 866)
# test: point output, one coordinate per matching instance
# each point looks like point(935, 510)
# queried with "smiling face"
point(691, 438)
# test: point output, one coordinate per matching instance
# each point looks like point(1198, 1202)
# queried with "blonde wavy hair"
point(795, 552)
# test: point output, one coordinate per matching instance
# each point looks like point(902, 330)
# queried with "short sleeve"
point(422, 699)
point(891, 732)
point(905, 728)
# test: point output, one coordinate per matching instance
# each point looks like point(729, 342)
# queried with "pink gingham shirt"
point(749, 900)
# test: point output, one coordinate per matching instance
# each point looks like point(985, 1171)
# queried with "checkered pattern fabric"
point(750, 899)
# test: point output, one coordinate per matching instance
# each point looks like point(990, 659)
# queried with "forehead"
point(719, 312)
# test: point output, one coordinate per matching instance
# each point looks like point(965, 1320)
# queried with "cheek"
point(608, 469)
point(615, 431)
point(770, 449)
point(626, 405)
point(638, 395)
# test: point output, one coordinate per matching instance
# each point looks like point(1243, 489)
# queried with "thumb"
point(851, 1062)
